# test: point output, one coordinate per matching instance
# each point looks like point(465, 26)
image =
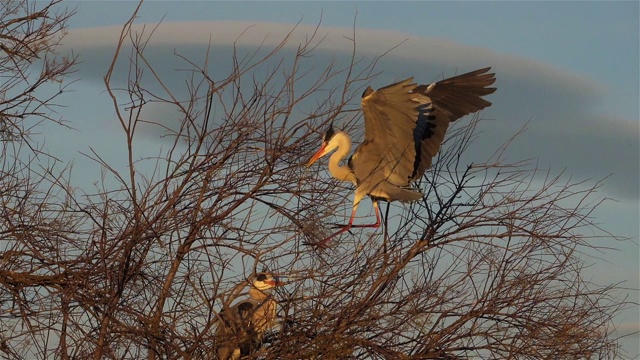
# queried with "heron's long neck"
point(342, 150)
point(258, 295)
point(264, 315)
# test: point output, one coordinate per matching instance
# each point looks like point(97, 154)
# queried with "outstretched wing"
point(405, 124)
point(390, 116)
point(449, 100)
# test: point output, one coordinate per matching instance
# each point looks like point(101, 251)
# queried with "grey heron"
point(244, 324)
point(404, 126)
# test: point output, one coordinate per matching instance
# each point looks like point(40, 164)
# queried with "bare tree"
point(488, 265)
point(30, 68)
point(35, 230)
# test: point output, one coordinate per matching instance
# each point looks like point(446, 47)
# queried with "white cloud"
point(334, 39)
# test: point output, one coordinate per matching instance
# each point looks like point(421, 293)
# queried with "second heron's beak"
point(317, 155)
point(273, 282)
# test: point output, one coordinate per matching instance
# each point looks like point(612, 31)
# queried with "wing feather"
point(405, 124)
point(451, 99)
point(390, 119)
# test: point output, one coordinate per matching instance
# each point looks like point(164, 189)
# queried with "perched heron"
point(404, 126)
point(244, 324)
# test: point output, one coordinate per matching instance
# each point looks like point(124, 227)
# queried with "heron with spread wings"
point(404, 126)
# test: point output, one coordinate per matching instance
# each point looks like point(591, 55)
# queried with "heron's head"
point(328, 144)
point(265, 281)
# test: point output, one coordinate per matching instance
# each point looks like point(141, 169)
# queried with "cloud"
point(629, 329)
point(567, 127)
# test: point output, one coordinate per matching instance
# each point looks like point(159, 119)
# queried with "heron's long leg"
point(346, 227)
point(376, 225)
point(353, 216)
point(343, 228)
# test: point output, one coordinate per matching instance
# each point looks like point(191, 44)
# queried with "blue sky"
point(570, 69)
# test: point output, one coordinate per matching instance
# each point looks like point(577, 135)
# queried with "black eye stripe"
point(261, 277)
point(329, 134)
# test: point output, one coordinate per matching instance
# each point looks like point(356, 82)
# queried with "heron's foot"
point(342, 226)
point(324, 243)
point(349, 226)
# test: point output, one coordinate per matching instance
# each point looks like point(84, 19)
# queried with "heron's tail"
point(389, 191)
point(408, 195)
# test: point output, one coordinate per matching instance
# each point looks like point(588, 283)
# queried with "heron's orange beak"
point(272, 282)
point(317, 155)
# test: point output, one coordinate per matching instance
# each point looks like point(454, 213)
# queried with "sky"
point(568, 71)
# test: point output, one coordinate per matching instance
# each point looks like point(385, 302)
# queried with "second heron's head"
point(265, 281)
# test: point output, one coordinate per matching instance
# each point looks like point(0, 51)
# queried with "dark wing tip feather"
point(451, 98)
point(462, 94)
